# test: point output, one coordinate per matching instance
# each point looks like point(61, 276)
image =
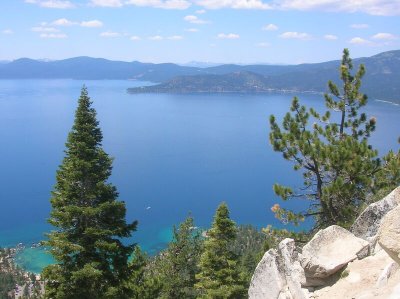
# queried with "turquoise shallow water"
point(33, 259)
point(177, 154)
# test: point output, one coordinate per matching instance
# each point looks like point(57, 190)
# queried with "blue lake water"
point(174, 155)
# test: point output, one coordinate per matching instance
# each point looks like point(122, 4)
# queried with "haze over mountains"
point(381, 81)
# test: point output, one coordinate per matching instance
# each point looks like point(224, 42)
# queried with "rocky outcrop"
point(294, 273)
point(361, 280)
point(367, 224)
point(267, 280)
point(389, 234)
point(286, 273)
point(330, 250)
point(279, 274)
point(337, 263)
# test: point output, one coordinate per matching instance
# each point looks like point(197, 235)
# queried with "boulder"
point(279, 274)
point(367, 224)
point(267, 280)
point(389, 234)
point(360, 280)
point(330, 250)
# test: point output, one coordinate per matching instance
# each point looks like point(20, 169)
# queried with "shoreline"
point(137, 90)
point(21, 259)
point(23, 282)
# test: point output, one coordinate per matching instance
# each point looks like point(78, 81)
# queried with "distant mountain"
point(91, 68)
point(381, 81)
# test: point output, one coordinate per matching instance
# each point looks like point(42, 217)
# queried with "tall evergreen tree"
point(92, 261)
point(220, 275)
point(332, 152)
point(177, 265)
point(142, 283)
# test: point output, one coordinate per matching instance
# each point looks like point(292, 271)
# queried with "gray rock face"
point(389, 234)
point(267, 280)
point(367, 224)
point(279, 274)
point(330, 250)
point(294, 273)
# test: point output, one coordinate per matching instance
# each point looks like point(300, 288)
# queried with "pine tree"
point(388, 177)
point(250, 244)
point(220, 275)
point(92, 261)
point(337, 162)
point(178, 263)
point(142, 283)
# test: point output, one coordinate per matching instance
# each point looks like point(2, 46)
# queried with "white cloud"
point(359, 41)
point(384, 36)
point(44, 29)
point(228, 36)
point(106, 3)
point(372, 7)
point(359, 26)
point(192, 30)
point(175, 37)
point(295, 35)
point(61, 22)
point(155, 37)
point(270, 27)
point(135, 38)
point(165, 4)
point(66, 22)
point(200, 11)
point(381, 39)
point(7, 31)
point(159, 37)
point(194, 20)
point(110, 34)
point(92, 24)
point(61, 4)
point(53, 35)
point(263, 45)
point(330, 37)
point(235, 4)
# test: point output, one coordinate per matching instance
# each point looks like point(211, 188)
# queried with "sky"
point(180, 31)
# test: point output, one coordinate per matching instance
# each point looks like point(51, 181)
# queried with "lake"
point(175, 155)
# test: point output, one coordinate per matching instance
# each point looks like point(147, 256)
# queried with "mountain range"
point(381, 80)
